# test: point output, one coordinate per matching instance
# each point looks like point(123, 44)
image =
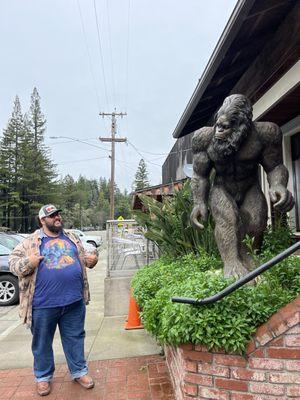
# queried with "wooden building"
point(257, 55)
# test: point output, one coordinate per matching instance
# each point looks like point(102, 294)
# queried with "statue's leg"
point(228, 231)
point(254, 214)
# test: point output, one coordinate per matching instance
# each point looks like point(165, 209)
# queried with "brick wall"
point(269, 370)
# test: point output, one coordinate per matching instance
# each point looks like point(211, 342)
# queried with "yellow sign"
point(120, 218)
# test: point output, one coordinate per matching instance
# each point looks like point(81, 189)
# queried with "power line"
point(158, 154)
point(70, 141)
point(153, 154)
point(127, 164)
point(89, 55)
point(127, 57)
point(82, 160)
point(149, 162)
point(100, 53)
point(110, 51)
point(80, 141)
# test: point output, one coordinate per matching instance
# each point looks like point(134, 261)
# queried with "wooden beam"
point(264, 6)
point(275, 53)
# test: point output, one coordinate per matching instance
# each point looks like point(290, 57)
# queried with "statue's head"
point(233, 122)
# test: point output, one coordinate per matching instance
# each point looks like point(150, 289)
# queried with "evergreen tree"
point(122, 204)
point(39, 170)
point(12, 161)
point(26, 170)
point(141, 177)
point(37, 120)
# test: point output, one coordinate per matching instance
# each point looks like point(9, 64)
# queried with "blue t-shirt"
point(59, 279)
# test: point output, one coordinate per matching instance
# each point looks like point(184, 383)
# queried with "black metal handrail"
point(240, 282)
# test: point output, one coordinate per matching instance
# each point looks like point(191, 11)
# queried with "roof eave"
point(232, 27)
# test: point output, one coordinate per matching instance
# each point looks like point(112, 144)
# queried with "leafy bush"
point(165, 272)
point(191, 267)
point(168, 225)
point(226, 324)
point(277, 238)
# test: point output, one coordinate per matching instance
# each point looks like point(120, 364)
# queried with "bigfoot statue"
point(234, 147)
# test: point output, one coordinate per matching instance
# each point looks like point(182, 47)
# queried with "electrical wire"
point(111, 58)
point(153, 154)
point(65, 142)
point(82, 160)
point(88, 144)
point(126, 165)
point(159, 154)
point(101, 54)
point(89, 55)
point(149, 162)
point(127, 58)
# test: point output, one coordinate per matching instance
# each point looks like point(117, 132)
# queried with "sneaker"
point(86, 381)
point(43, 388)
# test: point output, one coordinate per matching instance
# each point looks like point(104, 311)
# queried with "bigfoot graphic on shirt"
point(58, 254)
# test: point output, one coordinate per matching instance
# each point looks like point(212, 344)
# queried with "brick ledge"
point(286, 318)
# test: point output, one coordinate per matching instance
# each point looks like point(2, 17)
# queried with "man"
point(50, 265)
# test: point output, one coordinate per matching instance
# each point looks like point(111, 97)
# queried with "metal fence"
point(127, 247)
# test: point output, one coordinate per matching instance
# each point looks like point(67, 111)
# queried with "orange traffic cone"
point(133, 320)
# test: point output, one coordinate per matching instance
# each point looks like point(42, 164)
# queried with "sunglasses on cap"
point(55, 214)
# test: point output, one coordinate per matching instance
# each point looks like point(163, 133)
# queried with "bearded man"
point(51, 266)
point(234, 148)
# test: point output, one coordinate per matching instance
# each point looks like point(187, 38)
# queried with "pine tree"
point(26, 170)
point(39, 171)
point(11, 161)
point(141, 177)
point(37, 120)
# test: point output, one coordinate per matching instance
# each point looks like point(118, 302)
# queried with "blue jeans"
point(70, 320)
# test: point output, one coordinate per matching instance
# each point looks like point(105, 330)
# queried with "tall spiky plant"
point(168, 225)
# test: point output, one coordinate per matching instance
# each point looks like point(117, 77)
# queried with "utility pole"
point(112, 140)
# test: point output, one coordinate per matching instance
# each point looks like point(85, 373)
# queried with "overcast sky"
point(147, 63)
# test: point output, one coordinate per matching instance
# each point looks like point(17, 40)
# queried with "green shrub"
point(226, 324)
point(165, 272)
point(191, 267)
point(277, 238)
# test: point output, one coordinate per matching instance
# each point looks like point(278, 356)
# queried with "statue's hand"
point(199, 212)
point(282, 198)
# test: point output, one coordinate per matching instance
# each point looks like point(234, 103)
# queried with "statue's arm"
point(202, 166)
point(272, 162)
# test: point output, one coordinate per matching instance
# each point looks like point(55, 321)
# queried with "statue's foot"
point(248, 262)
point(236, 270)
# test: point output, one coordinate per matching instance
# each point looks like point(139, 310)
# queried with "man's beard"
point(226, 148)
point(53, 228)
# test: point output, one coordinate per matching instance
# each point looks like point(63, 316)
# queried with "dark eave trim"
point(232, 27)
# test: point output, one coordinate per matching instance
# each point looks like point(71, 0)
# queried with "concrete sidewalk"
point(124, 364)
point(105, 337)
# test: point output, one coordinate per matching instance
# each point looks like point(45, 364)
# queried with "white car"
point(96, 241)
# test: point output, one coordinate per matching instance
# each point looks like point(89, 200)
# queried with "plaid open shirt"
point(20, 266)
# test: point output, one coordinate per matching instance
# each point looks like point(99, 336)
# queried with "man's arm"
point(201, 170)
point(91, 259)
point(20, 264)
point(272, 162)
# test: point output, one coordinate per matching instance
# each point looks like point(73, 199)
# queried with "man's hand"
point(282, 198)
point(199, 212)
point(35, 260)
point(91, 260)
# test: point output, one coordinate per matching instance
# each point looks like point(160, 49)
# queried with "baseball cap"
point(47, 210)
